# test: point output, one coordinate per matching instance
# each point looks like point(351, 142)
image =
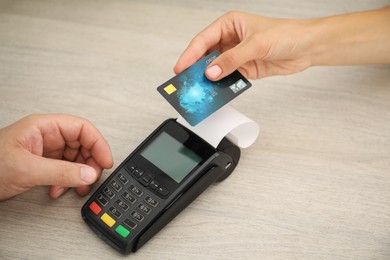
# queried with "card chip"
point(170, 89)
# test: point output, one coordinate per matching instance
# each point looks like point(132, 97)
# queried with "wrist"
point(349, 39)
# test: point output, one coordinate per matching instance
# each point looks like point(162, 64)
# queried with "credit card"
point(195, 97)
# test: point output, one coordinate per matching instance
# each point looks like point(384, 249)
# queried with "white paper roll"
point(228, 122)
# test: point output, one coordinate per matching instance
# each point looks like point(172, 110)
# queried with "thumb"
point(45, 171)
point(231, 60)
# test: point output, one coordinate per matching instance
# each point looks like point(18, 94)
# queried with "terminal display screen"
point(171, 156)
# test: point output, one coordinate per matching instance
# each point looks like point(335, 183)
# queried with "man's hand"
point(58, 150)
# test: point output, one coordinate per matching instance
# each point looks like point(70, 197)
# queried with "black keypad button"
point(146, 179)
point(131, 167)
point(122, 178)
point(162, 191)
point(130, 223)
point(137, 216)
point(102, 199)
point(138, 172)
point(142, 207)
point(116, 185)
point(152, 202)
point(154, 185)
point(129, 197)
point(135, 190)
point(109, 192)
point(115, 212)
point(122, 204)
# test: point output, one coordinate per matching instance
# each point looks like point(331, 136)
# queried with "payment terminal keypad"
point(124, 204)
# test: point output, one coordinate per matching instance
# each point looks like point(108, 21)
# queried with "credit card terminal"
point(159, 179)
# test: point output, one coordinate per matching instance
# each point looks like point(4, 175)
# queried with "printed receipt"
point(228, 122)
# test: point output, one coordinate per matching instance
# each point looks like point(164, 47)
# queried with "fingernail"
point(213, 72)
point(87, 175)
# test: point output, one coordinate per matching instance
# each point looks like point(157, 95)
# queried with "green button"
point(121, 230)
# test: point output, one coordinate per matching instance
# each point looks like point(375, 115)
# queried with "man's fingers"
point(57, 191)
point(77, 133)
point(44, 171)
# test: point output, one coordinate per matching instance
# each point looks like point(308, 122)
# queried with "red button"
point(95, 208)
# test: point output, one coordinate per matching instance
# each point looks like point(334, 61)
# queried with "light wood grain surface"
point(315, 185)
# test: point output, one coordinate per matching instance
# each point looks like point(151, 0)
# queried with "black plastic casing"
point(218, 166)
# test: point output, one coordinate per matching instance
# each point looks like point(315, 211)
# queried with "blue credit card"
point(195, 97)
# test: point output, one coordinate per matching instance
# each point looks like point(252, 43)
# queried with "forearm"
point(356, 38)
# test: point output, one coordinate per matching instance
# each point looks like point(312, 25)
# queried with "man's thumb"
point(45, 171)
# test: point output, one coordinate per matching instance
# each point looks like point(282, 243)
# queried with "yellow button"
point(108, 220)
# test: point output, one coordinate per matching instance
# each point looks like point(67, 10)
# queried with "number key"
point(109, 192)
point(115, 212)
point(152, 202)
point(116, 185)
point(122, 178)
point(137, 216)
point(128, 197)
point(122, 205)
point(135, 190)
point(144, 208)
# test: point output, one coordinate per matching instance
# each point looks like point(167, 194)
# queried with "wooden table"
point(315, 185)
